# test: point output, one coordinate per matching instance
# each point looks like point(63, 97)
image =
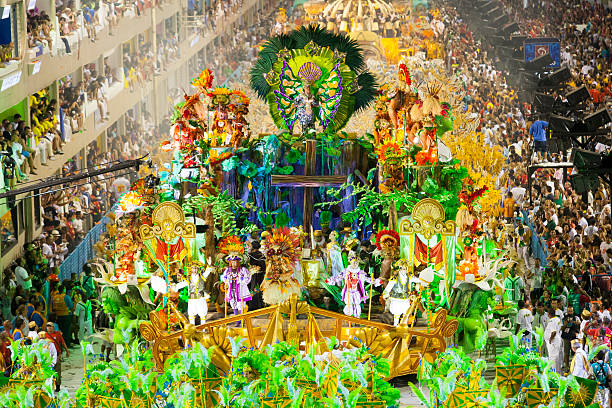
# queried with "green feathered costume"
point(312, 76)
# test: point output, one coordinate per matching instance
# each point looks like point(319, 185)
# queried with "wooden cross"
point(308, 181)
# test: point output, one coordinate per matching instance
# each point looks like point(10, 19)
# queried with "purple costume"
point(238, 293)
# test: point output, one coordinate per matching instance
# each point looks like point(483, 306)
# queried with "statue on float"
point(235, 277)
point(402, 292)
point(387, 243)
point(313, 78)
point(282, 250)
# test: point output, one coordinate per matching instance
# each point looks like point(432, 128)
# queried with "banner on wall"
point(536, 47)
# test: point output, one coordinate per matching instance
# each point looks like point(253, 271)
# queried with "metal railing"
point(83, 252)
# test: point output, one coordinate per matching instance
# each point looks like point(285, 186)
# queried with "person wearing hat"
point(196, 305)
point(579, 367)
point(33, 333)
point(235, 277)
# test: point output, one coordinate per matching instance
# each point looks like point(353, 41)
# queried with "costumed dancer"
point(353, 293)
point(235, 277)
point(402, 290)
point(196, 305)
point(282, 250)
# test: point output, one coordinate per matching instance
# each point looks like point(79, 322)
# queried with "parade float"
point(310, 262)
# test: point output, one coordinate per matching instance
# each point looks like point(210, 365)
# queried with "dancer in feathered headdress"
point(235, 277)
point(282, 250)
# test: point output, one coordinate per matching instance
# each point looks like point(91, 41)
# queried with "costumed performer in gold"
point(282, 250)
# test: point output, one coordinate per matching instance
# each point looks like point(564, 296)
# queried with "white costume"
point(398, 293)
point(554, 347)
point(196, 305)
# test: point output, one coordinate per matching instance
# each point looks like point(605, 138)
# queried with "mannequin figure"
point(334, 255)
point(398, 293)
point(387, 242)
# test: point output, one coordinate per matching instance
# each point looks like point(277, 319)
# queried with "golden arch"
point(429, 220)
point(168, 223)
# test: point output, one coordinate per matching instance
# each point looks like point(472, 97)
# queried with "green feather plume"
point(352, 68)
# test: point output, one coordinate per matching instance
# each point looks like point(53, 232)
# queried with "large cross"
point(308, 181)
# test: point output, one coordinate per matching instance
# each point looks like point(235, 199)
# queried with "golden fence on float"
point(403, 346)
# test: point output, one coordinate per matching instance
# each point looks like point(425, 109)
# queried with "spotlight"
point(560, 124)
point(518, 40)
point(597, 119)
point(582, 183)
point(501, 20)
point(539, 63)
point(558, 144)
point(510, 28)
point(586, 159)
point(543, 103)
point(528, 80)
point(578, 95)
point(557, 77)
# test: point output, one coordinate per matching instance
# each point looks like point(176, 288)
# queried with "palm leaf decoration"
point(343, 87)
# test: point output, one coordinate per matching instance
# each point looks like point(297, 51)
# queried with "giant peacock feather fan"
point(312, 76)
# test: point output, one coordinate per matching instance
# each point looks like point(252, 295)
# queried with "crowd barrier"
point(84, 251)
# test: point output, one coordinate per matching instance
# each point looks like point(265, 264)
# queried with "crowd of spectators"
point(31, 291)
point(168, 51)
point(40, 29)
point(76, 24)
point(563, 238)
point(20, 144)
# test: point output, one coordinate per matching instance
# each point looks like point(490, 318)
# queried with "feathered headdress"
point(466, 198)
point(331, 65)
point(283, 245)
point(232, 247)
point(387, 238)
point(404, 76)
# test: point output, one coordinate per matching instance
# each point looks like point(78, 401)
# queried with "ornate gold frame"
point(429, 220)
point(168, 223)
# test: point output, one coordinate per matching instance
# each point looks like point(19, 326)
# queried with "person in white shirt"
point(552, 336)
point(49, 345)
point(22, 277)
point(579, 367)
point(524, 320)
point(33, 333)
point(77, 222)
point(47, 251)
point(583, 222)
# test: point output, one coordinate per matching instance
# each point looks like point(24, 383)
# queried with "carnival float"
point(310, 266)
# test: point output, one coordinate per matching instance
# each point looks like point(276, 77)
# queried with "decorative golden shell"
point(429, 220)
point(168, 223)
